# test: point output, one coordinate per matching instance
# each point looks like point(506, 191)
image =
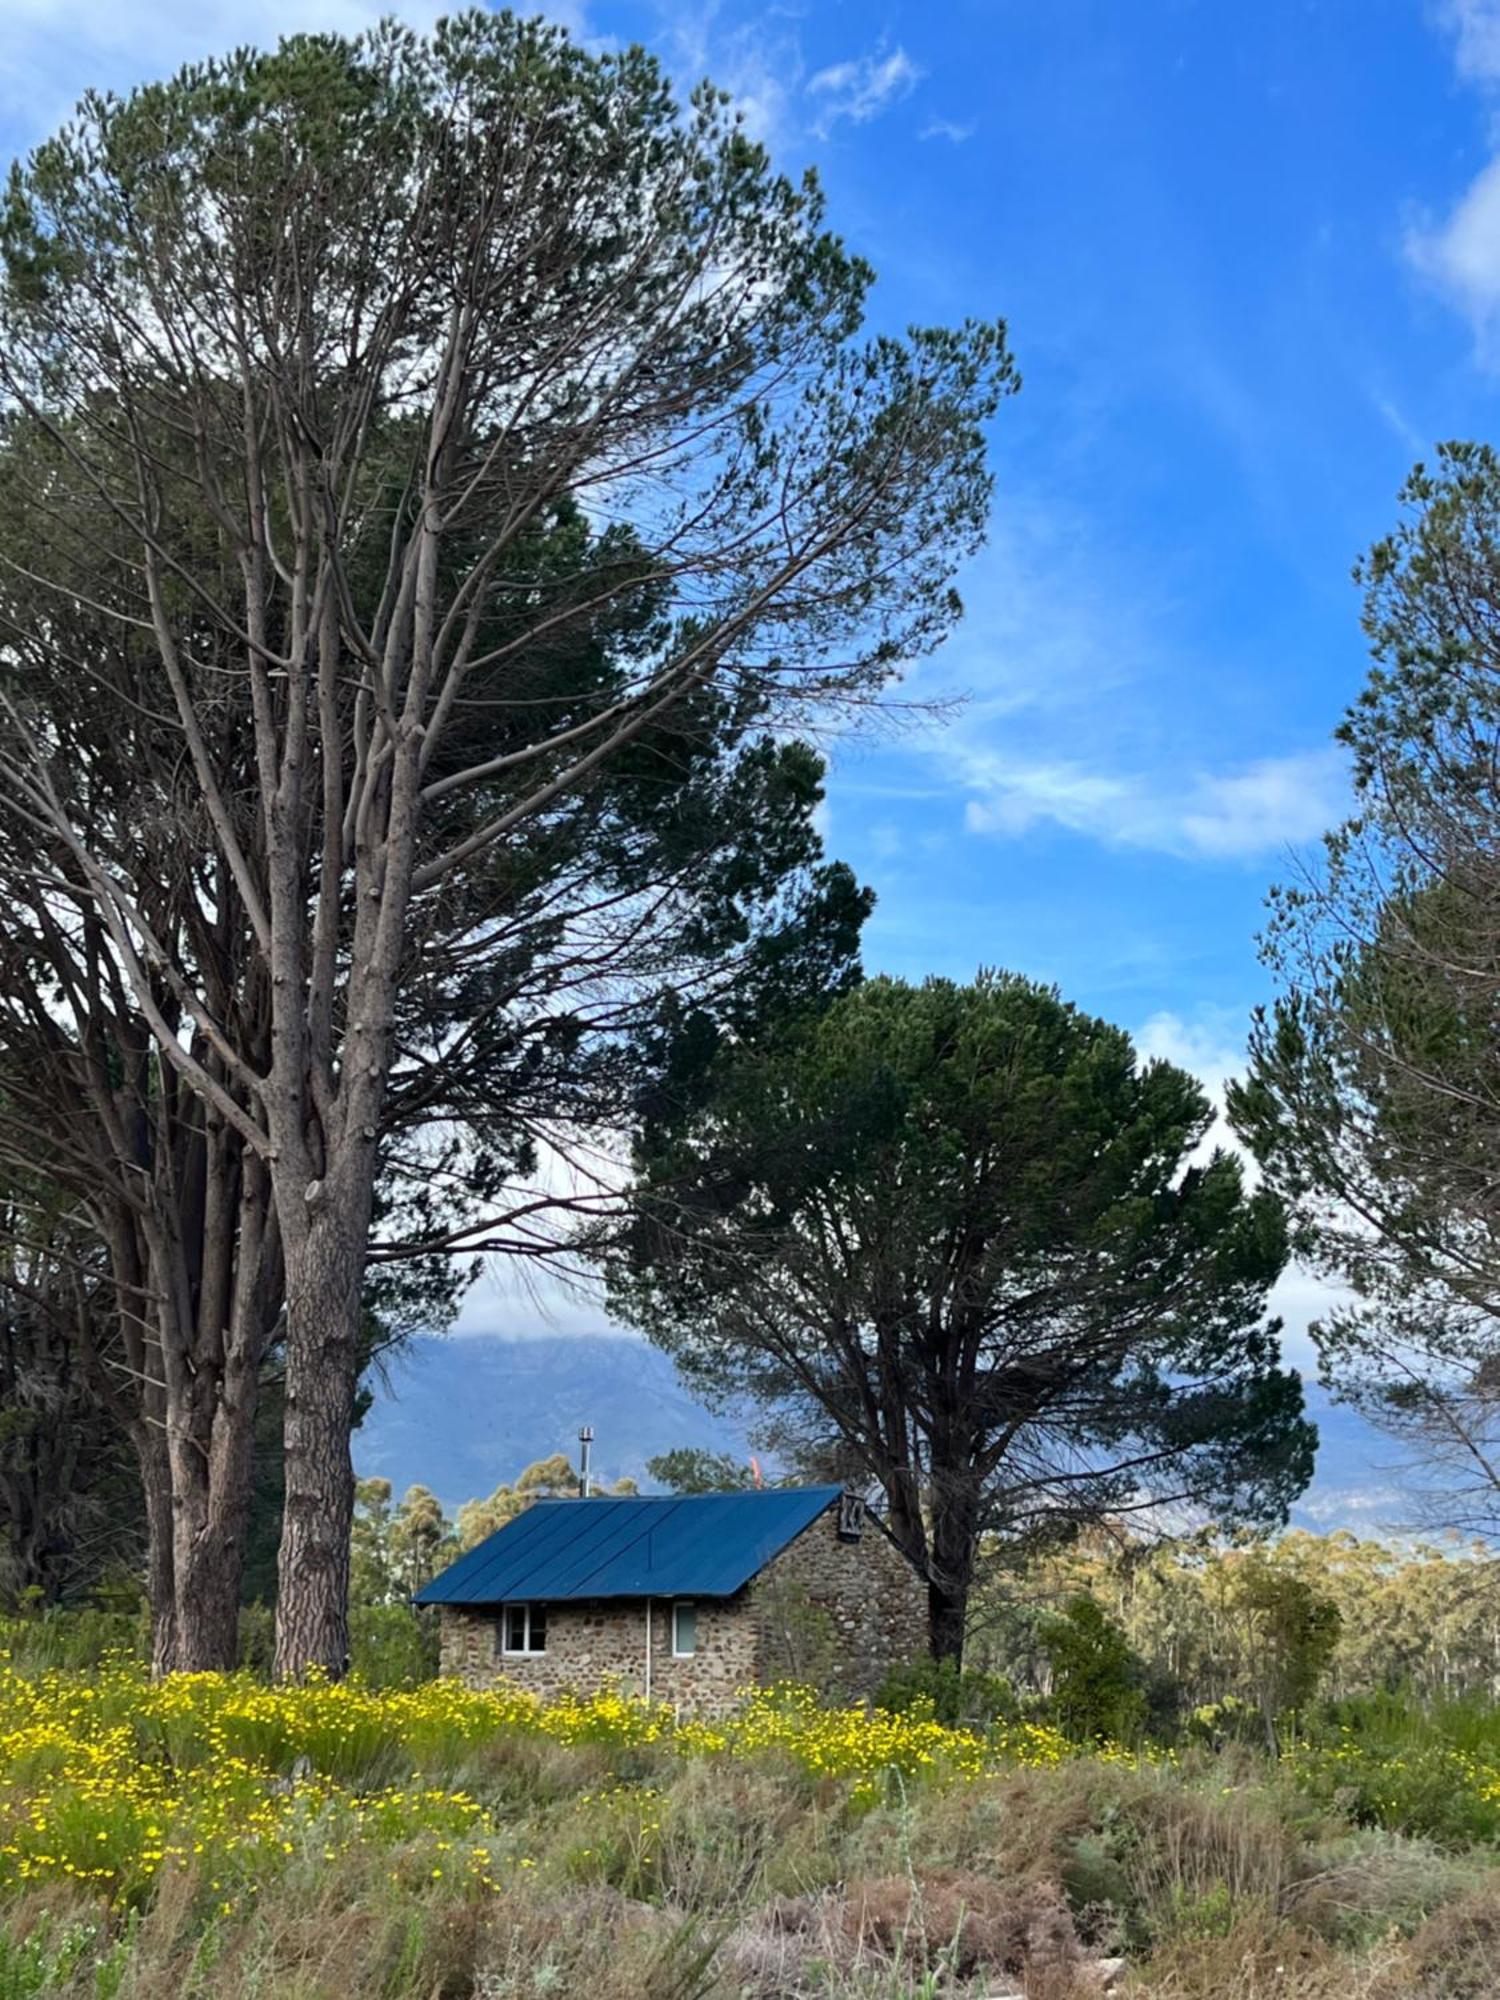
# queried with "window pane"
point(515, 1628)
point(538, 1629)
point(684, 1628)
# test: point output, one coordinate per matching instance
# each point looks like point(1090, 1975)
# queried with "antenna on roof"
point(585, 1439)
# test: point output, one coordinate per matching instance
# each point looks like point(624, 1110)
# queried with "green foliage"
point(392, 1645)
point(78, 1638)
point(617, 1863)
point(1383, 1761)
point(1293, 1633)
point(959, 1697)
point(1370, 1099)
point(1098, 1680)
point(693, 1469)
point(554, 1478)
point(395, 1550)
point(77, 1959)
point(956, 1239)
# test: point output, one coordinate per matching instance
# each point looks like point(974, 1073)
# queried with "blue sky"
point(1250, 257)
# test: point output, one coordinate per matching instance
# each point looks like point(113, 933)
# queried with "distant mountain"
point(462, 1414)
point(1360, 1483)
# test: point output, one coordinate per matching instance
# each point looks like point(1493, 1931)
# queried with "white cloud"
point(501, 1301)
point(952, 129)
point(1476, 28)
point(1459, 255)
point(1211, 1045)
point(54, 50)
point(1238, 815)
point(1273, 802)
point(759, 62)
point(863, 87)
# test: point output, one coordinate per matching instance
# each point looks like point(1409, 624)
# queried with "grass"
point(210, 1836)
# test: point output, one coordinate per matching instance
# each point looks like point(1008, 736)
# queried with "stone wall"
point(592, 1645)
point(836, 1614)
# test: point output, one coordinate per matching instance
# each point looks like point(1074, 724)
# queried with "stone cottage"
point(684, 1598)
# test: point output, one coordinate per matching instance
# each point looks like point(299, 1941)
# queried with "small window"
point(684, 1629)
point(851, 1516)
point(523, 1628)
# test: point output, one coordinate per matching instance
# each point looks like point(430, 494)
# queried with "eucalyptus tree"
point(353, 391)
point(961, 1244)
point(1373, 1097)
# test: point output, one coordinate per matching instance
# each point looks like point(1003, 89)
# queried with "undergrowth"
point(210, 1836)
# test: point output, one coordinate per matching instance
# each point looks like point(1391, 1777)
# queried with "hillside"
point(462, 1414)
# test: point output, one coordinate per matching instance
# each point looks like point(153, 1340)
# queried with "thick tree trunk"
point(947, 1617)
point(324, 1274)
point(214, 1475)
point(950, 1571)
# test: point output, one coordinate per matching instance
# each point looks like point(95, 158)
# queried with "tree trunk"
point(324, 1273)
point(947, 1614)
point(161, 1597)
point(950, 1572)
point(214, 1475)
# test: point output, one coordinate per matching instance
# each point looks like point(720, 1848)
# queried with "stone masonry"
point(834, 1613)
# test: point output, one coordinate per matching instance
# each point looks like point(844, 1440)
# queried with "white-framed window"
point(684, 1629)
point(523, 1628)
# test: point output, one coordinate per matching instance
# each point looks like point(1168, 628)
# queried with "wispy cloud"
point(49, 54)
point(1211, 1044)
point(1234, 815)
point(951, 129)
point(758, 61)
point(1459, 253)
point(1475, 25)
point(863, 87)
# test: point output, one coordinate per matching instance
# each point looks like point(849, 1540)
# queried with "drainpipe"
point(648, 1649)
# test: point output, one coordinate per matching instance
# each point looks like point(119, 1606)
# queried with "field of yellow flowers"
point(210, 1837)
point(106, 1780)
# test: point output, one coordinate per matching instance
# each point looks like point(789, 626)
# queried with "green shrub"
point(1098, 1680)
point(71, 1958)
point(77, 1638)
point(960, 1698)
point(391, 1645)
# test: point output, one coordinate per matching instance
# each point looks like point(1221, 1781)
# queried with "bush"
point(959, 1698)
point(392, 1646)
point(74, 1638)
point(1098, 1680)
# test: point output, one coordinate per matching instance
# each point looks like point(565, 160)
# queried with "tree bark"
point(161, 1595)
point(213, 1481)
point(955, 1524)
point(324, 1274)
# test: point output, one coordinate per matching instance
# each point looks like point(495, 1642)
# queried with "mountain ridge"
point(465, 1413)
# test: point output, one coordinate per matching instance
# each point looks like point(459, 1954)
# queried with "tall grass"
point(216, 1837)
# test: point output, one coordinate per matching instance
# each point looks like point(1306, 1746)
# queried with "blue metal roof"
point(673, 1545)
